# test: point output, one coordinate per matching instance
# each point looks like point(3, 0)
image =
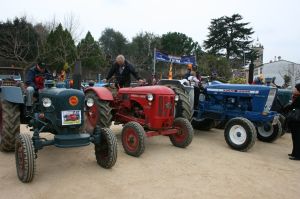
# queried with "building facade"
point(279, 69)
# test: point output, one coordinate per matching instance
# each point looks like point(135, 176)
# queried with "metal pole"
point(154, 58)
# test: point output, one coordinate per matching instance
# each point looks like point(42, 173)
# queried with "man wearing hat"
point(35, 80)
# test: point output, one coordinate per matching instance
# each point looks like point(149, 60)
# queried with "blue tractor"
point(246, 109)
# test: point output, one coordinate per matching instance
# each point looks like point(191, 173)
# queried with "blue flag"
point(175, 59)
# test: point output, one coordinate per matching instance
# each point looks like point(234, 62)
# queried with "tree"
point(287, 80)
point(61, 48)
point(140, 50)
point(228, 36)
point(176, 43)
point(211, 64)
point(112, 43)
point(19, 42)
point(89, 52)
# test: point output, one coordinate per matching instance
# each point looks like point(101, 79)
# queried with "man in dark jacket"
point(37, 75)
point(122, 70)
point(35, 80)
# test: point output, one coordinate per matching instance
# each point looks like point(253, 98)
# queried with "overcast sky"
point(276, 23)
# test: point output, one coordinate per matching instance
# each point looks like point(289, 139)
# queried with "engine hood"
point(163, 90)
point(238, 88)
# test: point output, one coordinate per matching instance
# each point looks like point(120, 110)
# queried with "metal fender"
point(12, 94)
point(102, 92)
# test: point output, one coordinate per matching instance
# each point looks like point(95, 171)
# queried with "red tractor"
point(145, 111)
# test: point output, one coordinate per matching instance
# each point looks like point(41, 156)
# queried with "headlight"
point(176, 98)
point(150, 97)
point(90, 102)
point(46, 102)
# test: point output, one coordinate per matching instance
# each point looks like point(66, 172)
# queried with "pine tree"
point(228, 36)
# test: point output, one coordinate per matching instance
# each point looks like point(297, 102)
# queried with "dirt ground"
point(206, 169)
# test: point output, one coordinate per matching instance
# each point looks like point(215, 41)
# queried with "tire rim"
point(93, 115)
point(130, 139)
point(238, 134)
point(265, 130)
point(20, 159)
point(181, 134)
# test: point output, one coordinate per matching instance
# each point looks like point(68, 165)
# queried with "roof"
point(282, 60)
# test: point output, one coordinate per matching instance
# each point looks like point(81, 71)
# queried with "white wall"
point(280, 68)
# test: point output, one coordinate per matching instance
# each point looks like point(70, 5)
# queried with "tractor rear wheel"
point(9, 125)
point(240, 134)
point(99, 114)
point(25, 158)
point(106, 150)
point(185, 133)
point(268, 132)
point(133, 139)
point(183, 106)
point(204, 125)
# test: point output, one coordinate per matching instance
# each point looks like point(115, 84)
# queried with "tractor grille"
point(165, 106)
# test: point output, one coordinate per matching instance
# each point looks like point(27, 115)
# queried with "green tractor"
point(59, 111)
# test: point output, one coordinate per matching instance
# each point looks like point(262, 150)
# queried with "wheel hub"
point(131, 140)
point(266, 130)
point(238, 134)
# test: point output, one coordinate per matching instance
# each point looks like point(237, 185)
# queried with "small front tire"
point(185, 133)
point(269, 132)
point(133, 139)
point(25, 158)
point(240, 134)
point(106, 150)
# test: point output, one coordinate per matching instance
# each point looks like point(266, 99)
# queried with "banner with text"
point(175, 59)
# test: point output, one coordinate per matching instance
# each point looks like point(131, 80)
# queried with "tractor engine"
point(152, 106)
point(62, 109)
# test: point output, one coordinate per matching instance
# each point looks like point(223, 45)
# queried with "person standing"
point(122, 70)
point(195, 82)
point(295, 125)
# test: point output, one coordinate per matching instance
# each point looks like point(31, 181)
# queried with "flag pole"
point(154, 58)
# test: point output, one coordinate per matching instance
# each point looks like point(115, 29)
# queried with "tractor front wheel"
point(269, 132)
point(185, 133)
point(99, 114)
point(133, 139)
point(25, 158)
point(9, 125)
point(240, 134)
point(106, 150)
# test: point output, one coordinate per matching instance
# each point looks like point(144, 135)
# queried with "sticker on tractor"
point(71, 117)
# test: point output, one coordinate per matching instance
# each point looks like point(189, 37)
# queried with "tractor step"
point(71, 140)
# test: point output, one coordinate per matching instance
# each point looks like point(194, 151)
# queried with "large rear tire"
point(240, 134)
point(9, 125)
point(204, 125)
point(106, 150)
point(133, 139)
point(25, 158)
point(268, 132)
point(183, 106)
point(185, 134)
point(99, 114)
